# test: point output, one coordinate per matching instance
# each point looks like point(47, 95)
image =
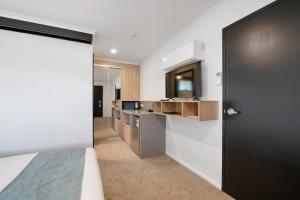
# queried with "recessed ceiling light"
point(132, 34)
point(113, 51)
point(164, 59)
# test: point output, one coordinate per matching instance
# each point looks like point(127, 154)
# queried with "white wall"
point(197, 145)
point(45, 93)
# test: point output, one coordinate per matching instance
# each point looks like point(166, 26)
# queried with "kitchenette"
point(142, 124)
point(142, 130)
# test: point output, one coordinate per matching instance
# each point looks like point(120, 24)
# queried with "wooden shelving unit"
point(157, 107)
point(208, 110)
point(201, 110)
point(172, 108)
point(190, 109)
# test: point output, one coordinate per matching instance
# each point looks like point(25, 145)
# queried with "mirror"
point(107, 88)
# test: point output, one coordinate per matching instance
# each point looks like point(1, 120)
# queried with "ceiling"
point(153, 21)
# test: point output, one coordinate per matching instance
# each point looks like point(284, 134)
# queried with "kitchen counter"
point(143, 131)
point(134, 112)
point(137, 112)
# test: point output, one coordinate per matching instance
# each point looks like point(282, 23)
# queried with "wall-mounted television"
point(184, 82)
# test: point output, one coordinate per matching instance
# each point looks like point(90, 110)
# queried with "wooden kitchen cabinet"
point(126, 133)
point(130, 83)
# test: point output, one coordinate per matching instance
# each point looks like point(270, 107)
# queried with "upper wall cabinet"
point(187, 54)
point(130, 83)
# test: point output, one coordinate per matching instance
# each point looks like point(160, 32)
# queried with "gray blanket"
point(55, 175)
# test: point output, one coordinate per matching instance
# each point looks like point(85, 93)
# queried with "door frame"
point(93, 92)
point(224, 80)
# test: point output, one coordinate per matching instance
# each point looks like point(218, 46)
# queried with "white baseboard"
point(196, 171)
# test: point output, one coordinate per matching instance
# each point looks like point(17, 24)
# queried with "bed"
point(91, 185)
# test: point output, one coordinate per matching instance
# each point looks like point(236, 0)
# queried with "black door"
point(261, 133)
point(98, 101)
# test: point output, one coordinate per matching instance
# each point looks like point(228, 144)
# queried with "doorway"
point(261, 140)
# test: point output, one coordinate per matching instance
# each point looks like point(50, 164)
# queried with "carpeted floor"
point(127, 177)
point(103, 129)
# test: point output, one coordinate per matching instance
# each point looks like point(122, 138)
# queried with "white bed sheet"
point(92, 189)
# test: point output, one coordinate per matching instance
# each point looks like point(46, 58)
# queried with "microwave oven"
point(129, 105)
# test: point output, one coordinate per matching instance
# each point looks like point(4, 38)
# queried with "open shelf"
point(190, 109)
point(205, 110)
point(157, 107)
point(171, 108)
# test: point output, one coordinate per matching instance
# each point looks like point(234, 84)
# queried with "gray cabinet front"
point(135, 134)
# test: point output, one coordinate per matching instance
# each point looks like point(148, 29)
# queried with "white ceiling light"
point(164, 59)
point(113, 51)
point(132, 34)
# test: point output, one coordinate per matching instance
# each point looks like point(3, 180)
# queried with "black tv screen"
point(184, 82)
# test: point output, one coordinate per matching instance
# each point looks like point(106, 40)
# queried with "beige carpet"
point(103, 129)
point(127, 177)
